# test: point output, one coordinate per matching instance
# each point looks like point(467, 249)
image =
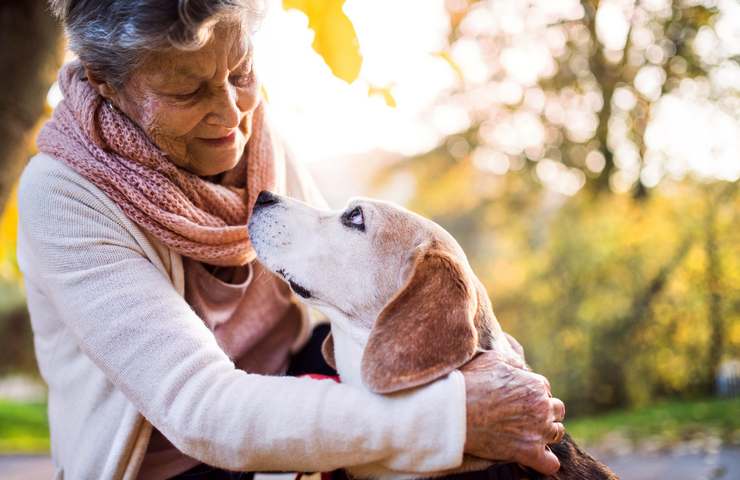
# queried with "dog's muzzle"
point(264, 200)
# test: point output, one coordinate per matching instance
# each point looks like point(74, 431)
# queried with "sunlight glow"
point(327, 120)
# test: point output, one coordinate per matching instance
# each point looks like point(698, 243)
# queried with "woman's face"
point(197, 105)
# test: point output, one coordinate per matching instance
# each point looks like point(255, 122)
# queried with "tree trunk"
point(32, 52)
point(714, 301)
point(714, 283)
point(612, 343)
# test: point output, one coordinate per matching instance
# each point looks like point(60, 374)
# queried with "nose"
point(265, 199)
point(225, 111)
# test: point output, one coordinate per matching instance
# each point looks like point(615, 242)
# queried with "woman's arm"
point(134, 326)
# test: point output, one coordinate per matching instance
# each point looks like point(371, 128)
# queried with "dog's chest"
point(349, 344)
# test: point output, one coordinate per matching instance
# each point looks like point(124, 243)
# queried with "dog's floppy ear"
point(427, 328)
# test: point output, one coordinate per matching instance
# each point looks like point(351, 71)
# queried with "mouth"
point(297, 288)
point(226, 141)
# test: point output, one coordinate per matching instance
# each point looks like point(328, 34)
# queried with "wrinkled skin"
point(185, 100)
point(511, 414)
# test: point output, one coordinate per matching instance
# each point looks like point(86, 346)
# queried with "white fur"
point(351, 274)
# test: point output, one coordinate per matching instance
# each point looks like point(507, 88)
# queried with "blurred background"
point(585, 154)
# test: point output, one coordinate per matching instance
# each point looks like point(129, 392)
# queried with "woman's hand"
point(511, 414)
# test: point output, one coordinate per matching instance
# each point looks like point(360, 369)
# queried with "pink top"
point(255, 332)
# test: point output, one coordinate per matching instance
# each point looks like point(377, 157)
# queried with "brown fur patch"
point(484, 320)
point(426, 330)
point(327, 350)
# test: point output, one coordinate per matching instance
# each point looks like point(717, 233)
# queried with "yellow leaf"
point(335, 38)
point(385, 92)
point(8, 232)
point(444, 55)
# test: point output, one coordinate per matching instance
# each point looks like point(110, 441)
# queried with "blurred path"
point(25, 467)
point(723, 464)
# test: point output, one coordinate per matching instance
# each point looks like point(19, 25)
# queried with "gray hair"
point(111, 36)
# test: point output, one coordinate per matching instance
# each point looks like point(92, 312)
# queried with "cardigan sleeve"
point(129, 320)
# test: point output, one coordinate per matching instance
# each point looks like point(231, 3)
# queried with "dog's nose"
point(266, 198)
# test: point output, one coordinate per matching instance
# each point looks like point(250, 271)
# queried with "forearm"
point(258, 423)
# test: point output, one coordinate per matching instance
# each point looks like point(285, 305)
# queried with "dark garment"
point(501, 471)
point(206, 472)
point(308, 360)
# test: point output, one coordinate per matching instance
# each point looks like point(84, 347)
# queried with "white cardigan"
point(121, 350)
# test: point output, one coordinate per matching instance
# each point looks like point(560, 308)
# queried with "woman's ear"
point(426, 330)
point(103, 87)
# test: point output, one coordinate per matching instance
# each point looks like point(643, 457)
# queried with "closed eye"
point(186, 96)
point(354, 219)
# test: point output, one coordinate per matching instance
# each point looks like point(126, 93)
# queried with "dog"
point(382, 275)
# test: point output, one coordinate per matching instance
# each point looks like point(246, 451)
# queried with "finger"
point(557, 432)
point(544, 461)
point(558, 409)
point(484, 361)
point(546, 383)
point(515, 345)
point(516, 361)
point(519, 360)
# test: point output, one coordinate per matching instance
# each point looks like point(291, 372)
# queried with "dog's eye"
point(354, 219)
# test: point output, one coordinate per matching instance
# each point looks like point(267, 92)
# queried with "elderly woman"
point(162, 340)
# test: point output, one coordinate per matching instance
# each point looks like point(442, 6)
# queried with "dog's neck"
point(350, 338)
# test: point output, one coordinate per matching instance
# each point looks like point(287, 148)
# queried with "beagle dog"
point(404, 304)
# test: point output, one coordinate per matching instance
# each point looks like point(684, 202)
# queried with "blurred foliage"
point(620, 281)
point(24, 428)
point(618, 301)
point(31, 69)
point(569, 88)
point(335, 38)
point(16, 341)
point(665, 423)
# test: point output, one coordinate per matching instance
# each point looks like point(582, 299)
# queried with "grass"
point(25, 429)
point(668, 422)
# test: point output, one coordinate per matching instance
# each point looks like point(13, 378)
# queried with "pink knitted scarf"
point(189, 214)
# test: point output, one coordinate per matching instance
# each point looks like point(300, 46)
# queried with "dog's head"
point(398, 274)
